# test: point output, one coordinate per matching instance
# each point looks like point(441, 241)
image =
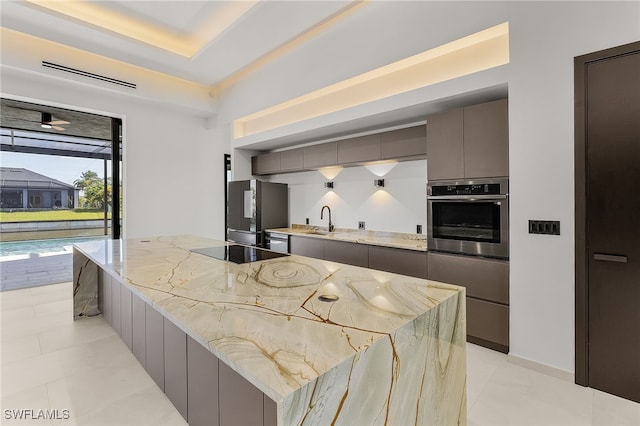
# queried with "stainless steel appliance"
point(469, 217)
point(277, 241)
point(254, 206)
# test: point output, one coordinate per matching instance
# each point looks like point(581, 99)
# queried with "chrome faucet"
point(322, 212)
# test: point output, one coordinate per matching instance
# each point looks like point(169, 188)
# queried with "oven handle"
point(468, 197)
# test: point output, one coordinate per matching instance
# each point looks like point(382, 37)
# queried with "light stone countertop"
point(388, 340)
point(417, 242)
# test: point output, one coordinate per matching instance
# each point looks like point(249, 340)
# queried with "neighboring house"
point(24, 189)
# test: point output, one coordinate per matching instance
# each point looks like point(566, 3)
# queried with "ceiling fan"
point(47, 122)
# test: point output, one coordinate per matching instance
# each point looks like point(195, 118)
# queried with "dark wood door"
point(613, 224)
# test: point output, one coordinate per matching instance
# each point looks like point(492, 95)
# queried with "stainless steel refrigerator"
point(253, 207)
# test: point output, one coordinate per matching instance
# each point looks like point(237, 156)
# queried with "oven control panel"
point(467, 189)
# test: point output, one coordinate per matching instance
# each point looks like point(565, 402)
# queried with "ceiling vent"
point(88, 74)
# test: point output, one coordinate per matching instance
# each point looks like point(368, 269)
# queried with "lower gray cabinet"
point(349, 253)
point(107, 301)
point(115, 320)
point(241, 403)
point(487, 284)
point(202, 385)
point(310, 247)
point(270, 412)
point(175, 366)
point(138, 329)
point(126, 317)
point(398, 261)
point(154, 345)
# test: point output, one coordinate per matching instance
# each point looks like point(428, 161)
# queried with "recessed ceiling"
point(201, 41)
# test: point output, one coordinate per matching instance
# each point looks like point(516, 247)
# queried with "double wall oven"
point(469, 217)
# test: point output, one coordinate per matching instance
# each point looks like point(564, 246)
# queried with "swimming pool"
point(14, 248)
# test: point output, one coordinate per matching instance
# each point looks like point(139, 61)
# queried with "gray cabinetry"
point(265, 164)
point(486, 140)
point(321, 155)
point(115, 319)
point(126, 315)
point(291, 160)
point(154, 345)
point(487, 284)
point(469, 142)
point(445, 154)
point(138, 308)
point(402, 143)
point(399, 261)
point(311, 247)
point(349, 253)
point(241, 403)
point(175, 366)
point(202, 382)
point(359, 150)
point(105, 300)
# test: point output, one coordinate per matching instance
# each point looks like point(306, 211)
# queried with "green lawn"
point(78, 214)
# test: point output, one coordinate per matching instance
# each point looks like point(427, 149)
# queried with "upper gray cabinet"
point(359, 150)
point(266, 163)
point(291, 160)
point(469, 142)
point(404, 143)
point(322, 155)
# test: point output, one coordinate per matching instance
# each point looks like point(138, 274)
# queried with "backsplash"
point(397, 207)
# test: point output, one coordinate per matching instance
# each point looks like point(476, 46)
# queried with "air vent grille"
point(88, 74)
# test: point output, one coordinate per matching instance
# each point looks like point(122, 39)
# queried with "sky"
point(65, 169)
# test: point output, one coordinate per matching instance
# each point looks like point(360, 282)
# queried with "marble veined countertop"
point(390, 350)
point(416, 242)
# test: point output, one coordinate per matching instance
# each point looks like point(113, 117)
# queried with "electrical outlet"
point(546, 227)
point(361, 226)
point(418, 229)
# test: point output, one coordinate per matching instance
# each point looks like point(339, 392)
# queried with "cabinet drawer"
point(310, 247)
point(488, 321)
point(486, 279)
point(398, 261)
point(349, 253)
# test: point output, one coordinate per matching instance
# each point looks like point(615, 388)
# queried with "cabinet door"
point(486, 279)
point(107, 301)
point(126, 315)
point(241, 403)
point(322, 155)
point(486, 140)
point(488, 322)
point(349, 253)
point(139, 329)
point(359, 150)
point(202, 383)
point(175, 366)
point(311, 247)
point(265, 164)
point(409, 142)
point(270, 412)
point(399, 261)
point(116, 321)
point(291, 160)
point(154, 342)
point(445, 145)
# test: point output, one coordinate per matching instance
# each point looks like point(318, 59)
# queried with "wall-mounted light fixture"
point(378, 183)
point(328, 185)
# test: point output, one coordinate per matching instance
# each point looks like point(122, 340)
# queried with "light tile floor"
point(51, 362)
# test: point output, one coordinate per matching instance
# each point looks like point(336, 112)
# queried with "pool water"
point(14, 248)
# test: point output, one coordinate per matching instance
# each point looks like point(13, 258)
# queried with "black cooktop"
point(237, 253)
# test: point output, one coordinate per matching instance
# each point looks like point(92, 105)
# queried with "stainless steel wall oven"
point(469, 217)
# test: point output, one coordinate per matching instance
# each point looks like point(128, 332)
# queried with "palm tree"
point(86, 179)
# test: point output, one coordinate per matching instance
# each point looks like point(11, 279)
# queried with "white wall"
point(398, 207)
point(173, 163)
point(544, 39)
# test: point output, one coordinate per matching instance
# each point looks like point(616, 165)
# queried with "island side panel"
point(416, 375)
point(85, 286)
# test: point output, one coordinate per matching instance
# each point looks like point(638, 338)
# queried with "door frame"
point(581, 238)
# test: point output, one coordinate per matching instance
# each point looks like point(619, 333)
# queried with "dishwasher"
point(277, 241)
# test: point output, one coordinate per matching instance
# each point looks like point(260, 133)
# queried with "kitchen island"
point(321, 342)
